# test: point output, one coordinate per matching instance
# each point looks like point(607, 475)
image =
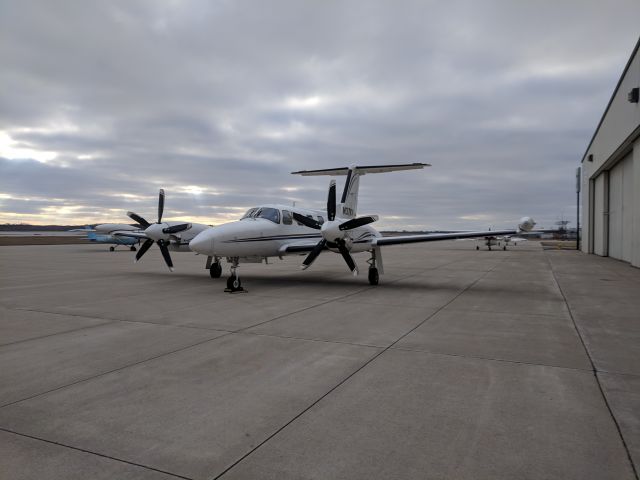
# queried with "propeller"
point(158, 232)
point(334, 232)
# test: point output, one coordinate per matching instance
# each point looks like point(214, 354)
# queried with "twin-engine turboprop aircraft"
point(278, 230)
point(169, 236)
point(105, 233)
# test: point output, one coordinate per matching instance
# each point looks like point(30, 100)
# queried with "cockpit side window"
point(272, 214)
point(287, 218)
point(249, 213)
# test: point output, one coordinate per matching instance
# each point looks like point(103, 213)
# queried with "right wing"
point(435, 237)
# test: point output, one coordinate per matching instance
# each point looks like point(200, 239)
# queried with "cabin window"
point(268, 213)
point(287, 218)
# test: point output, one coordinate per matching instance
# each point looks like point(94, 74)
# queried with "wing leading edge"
point(434, 237)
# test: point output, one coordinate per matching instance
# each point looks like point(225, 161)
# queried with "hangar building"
point(611, 174)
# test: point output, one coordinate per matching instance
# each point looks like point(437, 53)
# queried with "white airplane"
point(105, 233)
point(170, 236)
point(502, 240)
point(278, 230)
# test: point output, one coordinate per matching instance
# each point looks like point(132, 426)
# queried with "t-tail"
point(348, 206)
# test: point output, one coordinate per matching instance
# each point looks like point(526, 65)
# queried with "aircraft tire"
point(477, 247)
point(233, 283)
point(132, 248)
point(374, 277)
point(215, 270)
point(111, 249)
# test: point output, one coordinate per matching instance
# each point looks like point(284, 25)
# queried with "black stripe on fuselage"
point(276, 237)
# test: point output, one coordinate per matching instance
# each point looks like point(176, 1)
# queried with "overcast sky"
point(103, 103)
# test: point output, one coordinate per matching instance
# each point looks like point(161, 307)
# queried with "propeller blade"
point(348, 258)
point(165, 253)
point(143, 249)
point(313, 254)
point(306, 221)
point(177, 228)
point(139, 219)
point(160, 205)
point(331, 201)
point(358, 222)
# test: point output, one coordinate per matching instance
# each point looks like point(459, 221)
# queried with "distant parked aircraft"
point(502, 241)
point(106, 233)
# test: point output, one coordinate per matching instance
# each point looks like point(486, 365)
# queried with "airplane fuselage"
point(253, 236)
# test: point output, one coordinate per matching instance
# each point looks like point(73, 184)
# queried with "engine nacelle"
point(526, 224)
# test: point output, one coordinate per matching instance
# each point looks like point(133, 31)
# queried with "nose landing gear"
point(234, 285)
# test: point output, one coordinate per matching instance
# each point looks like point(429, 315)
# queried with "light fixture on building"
point(634, 95)
point(590, 157)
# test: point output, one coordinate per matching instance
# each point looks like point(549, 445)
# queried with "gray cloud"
point(502, 97)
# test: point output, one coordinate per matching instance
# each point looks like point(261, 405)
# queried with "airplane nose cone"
point(202, 243)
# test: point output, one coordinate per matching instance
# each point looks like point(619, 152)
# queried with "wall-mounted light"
point(634, 95)
point(590, 157)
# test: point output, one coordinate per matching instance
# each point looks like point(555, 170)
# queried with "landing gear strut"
point(233, 282)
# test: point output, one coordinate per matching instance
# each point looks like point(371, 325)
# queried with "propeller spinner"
point(158, 232)
point(334, 232)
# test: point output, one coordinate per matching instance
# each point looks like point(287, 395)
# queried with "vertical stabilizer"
point(349, 202)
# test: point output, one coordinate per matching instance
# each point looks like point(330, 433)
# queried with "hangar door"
point(620, 209)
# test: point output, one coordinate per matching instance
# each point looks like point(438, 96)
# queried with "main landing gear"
point(374, 262)
point(215, 270)
point(234, 284)
point(112, 249)
point(214, 267)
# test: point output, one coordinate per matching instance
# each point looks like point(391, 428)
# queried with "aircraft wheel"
point(215, 270)
point(373, 276)
point(233, 283)
point(504, 248)
point(111, 249)
point(477, 247)
point(133, 249)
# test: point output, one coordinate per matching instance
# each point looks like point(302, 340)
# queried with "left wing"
point(434, 237)
point(297, 247)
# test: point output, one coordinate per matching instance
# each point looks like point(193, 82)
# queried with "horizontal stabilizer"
point(363, 169)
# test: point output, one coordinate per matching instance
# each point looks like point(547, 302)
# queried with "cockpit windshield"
point(249, 213)
point(268, 213)
point(272, 214)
